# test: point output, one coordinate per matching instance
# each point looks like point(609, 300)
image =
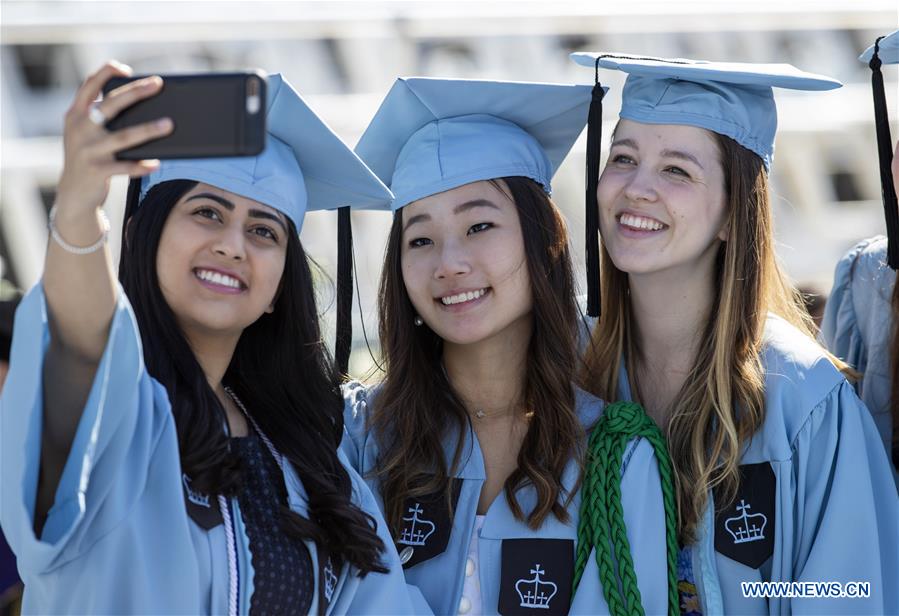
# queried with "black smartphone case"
point(212, 113)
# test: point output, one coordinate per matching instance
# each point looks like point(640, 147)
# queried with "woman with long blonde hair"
point(778, 472)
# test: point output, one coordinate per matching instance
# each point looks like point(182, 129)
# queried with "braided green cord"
point(601, 525)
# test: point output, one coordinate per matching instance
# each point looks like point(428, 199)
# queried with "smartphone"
point(215, 114)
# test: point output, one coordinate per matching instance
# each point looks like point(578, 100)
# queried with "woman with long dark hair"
point(778, 472)
point(474, 440)
point(169, 443)
point(861, 318)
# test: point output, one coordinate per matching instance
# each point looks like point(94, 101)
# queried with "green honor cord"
point(601, 525)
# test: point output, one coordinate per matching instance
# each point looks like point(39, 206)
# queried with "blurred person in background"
point(861, 322)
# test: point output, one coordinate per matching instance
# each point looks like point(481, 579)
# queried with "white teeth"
point(639, 222)
point(462, 297)
point(219, 279)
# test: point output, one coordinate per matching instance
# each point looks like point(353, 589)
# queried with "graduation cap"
point(304, 167)
point(885, 50)
point(432, 135)
point(729, 98)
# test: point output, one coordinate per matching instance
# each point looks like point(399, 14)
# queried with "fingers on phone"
point(93, 85)
point(128, 94)
point(135, 135)
point(135, 169)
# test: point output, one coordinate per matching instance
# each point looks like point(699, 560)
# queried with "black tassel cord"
point(594, 149)
point(885, 155)
point(344, 339)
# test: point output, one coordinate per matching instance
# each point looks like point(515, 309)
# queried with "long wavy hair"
point(281, 369)
point(417, 408)
point(721, 403)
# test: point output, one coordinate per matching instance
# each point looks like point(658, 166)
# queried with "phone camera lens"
point(254, 102)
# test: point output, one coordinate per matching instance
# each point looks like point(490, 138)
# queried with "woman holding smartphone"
point(474, 441)
point(169, 442)
point(779, 472)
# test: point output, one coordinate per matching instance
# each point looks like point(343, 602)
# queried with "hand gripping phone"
point(215, 114)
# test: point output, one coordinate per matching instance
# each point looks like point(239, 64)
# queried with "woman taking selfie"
point(474, 441)
point(779, 472)
point(169, 443)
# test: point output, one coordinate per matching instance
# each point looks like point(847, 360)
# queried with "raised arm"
point(80, 288)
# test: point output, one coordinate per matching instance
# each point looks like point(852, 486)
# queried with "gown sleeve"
point(840, 331)
point(125, 418)
point(847, 507)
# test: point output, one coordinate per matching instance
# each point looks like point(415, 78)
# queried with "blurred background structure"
point(343, 57)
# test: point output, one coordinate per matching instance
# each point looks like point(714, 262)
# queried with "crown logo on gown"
point(746, 527)
point(197, 498)
point(418, 529)
point(330, 579)
point(535, 593)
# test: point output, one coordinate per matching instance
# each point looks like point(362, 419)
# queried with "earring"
point(418, 321)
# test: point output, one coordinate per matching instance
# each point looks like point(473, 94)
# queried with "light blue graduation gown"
point(118, 538)
point(442, 577)
point(836, 508)
point(857, 326)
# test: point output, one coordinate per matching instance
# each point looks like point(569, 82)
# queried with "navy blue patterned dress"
point(283, 578)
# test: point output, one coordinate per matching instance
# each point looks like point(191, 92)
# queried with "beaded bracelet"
point(79, 250)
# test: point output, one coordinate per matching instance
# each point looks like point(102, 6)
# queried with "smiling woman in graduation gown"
point(145, 514)
point(780, 475)
point(474, 442)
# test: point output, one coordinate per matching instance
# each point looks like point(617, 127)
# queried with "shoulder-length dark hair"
point(281, 369)
point(417, 407)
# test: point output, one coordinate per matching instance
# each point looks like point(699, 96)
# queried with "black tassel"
point(343, 341)
point(594, 149)
point(885, 154)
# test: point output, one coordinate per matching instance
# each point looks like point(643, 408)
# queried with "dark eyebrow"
point(462, 207)
point(230, 207)
point(415, 219)
point(470, 205)
point(682, 156)
point(220, 200)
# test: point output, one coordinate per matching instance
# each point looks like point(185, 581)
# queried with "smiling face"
point(463, 263)
point(220, 260)
point(662, 199)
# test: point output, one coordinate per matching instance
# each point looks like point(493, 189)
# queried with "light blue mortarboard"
point(730, 98)
point(432, 135)
point(304, 166)
point(885, 50)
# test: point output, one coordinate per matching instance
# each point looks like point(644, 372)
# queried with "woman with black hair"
point(169, 443)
